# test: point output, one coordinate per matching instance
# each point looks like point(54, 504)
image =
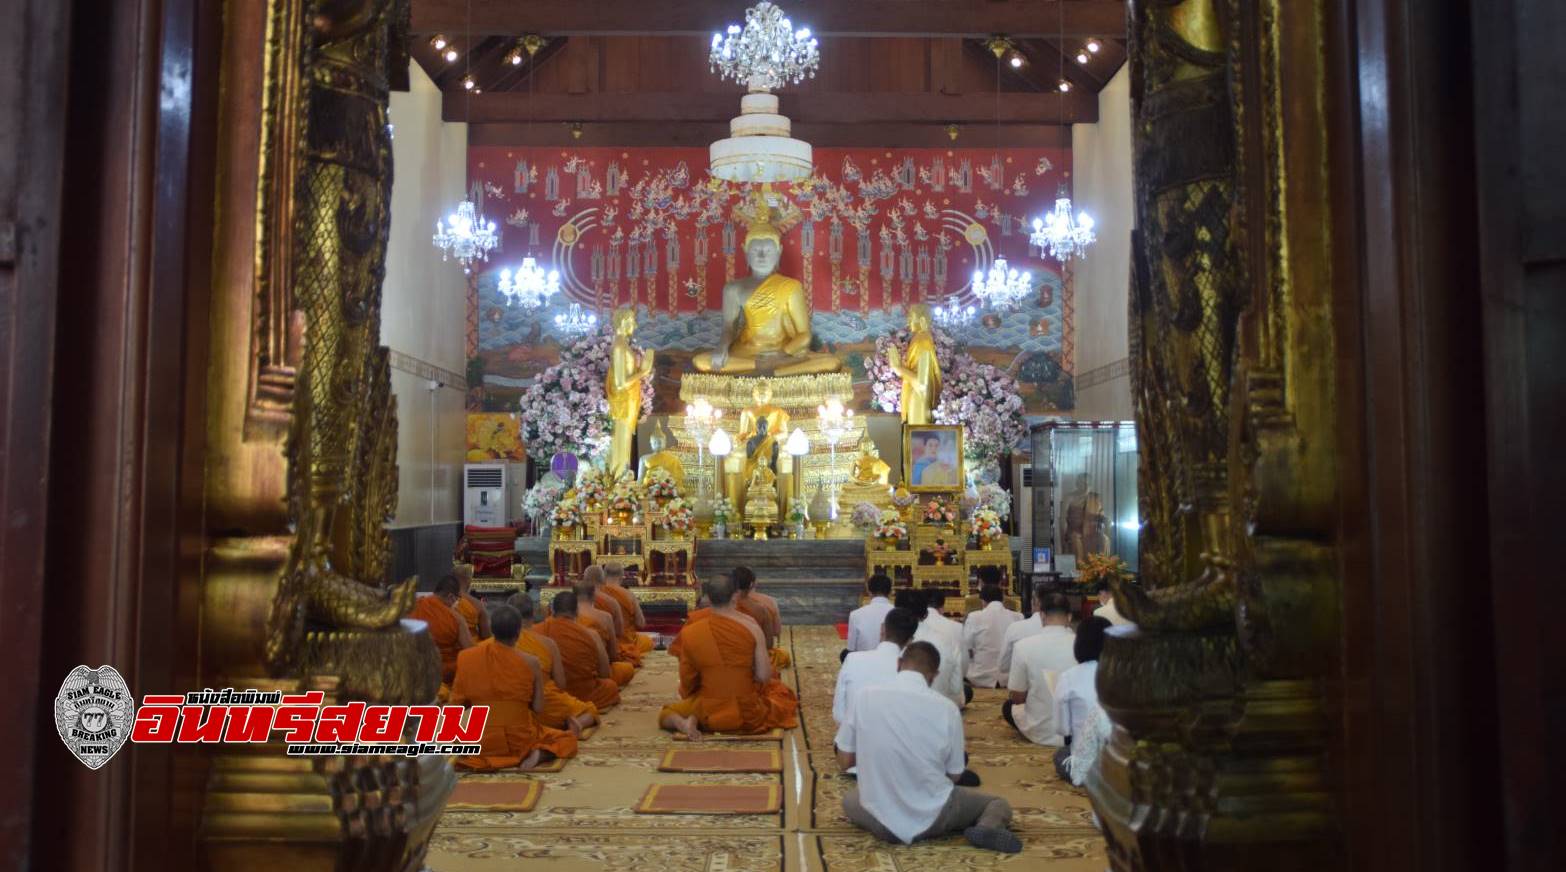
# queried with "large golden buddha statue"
point(766, 316)
point(623, 387)
point(919, 368)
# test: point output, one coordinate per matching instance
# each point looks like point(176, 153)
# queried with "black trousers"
point(1006, 713)
point(1061, 757)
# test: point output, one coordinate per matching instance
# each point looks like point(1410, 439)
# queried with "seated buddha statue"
point(868, 481)
point(761, 495)
point(761, 426)
point(766, 316)
point(667, 461)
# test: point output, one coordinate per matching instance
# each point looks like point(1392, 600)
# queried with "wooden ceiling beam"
point(974, 18)
point(630, 134)
point(825, 108)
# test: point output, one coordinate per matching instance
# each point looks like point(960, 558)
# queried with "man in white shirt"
point(862, 669)
point(1106, 607)
point(935, 601)
point(907, 741)
point(1078, 715)
point(1036, 665)
point(949, 682)
point(983, 633)
point(864, 623)
point(1029, 626)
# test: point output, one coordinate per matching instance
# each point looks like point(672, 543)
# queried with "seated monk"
point(447, 628)
point(726, 681)
point(494, 673)
point(468, 605)
point(561, 710)
point(602, 620)
point(630, 609)
point(582, 655)
point(764, 609)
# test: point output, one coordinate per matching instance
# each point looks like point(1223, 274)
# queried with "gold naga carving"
point(1218, 758)
point(302, 446)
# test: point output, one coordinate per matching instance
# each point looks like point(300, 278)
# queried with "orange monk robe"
point(496, 675)
point(693, 617)
point(559, 706)
point(629, 634)
point(622, 671)
point(443, 630)
point(469, 609)
point(765, 613)
point(623, 649)
point(579, 650)
point(718, 681)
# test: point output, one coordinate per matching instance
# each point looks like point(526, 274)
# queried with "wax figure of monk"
point(561, 710)
point(447, 628)
point(764, 610)
point(591, 615)
point(582, 654)
point(494, 673)
point(468, 605)
point(630, 610)
point(726, 682)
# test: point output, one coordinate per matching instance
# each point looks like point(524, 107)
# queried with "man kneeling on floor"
point(907, 742)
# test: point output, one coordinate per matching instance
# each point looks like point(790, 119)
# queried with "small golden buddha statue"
point(667, 461)
point(761, 496)
point(868, 482)
point(919, 368)
point(623, 386)
point(766, 316)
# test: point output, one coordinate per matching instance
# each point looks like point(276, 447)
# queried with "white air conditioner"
point(1022, 508)
point(484, 494)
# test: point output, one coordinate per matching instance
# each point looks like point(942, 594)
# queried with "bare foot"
point(531, 760)
point(691, 729)
point(574, 727)
point(582, 722)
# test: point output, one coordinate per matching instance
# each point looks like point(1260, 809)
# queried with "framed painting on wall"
point(932, 457)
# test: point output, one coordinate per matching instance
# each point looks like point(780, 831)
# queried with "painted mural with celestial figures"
point(494, 437)
point(872, 232)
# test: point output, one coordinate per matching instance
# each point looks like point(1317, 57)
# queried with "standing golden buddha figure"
point(623, 386)
point(920, 369)
point(766, 315)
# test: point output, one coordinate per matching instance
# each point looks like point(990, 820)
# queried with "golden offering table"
point(918, 566)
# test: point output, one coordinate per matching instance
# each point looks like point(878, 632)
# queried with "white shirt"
point(1108, 612)
point(948, 682)
point(953, 631)
point(983, 633)
point(1080, 716)
point(1016, 633)
point(860, 670)
point(1036, 666)
point(864, 624)
point(912, 748)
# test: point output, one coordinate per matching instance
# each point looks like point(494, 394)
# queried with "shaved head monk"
point(447, 628)
point(599, 610)
point(561, 710)
point(764, 610)
point(468, 605)
point(702, 613)
point(726, 682)
point(494, 673)
point(582, 654)
point(630, 609)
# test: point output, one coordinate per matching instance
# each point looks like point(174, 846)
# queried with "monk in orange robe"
point(447, 629)
point(494, 673)
point(630, 608)
point(623, 669)
point(764, 609)
point(726, 682)
point(582, 655)
point(468, 605)
point(561, 710)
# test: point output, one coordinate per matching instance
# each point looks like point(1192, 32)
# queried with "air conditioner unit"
point(1022, 508)
point(484, 494)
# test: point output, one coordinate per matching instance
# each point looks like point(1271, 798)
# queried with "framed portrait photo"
point(932, 457)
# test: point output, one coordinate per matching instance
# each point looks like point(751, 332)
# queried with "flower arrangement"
point(985, 527)
point(679, 517)
point(660, 485)
point(939, 510)
point(985, 399)
point(798, 511)
point(996, 499)
point(567, 513)
point(865, 516)
point(902, 499)
point(565, 408)
point(1095, 568)
point(542, 497)
point(626, 498)
point(723, 511)
point(891, 530)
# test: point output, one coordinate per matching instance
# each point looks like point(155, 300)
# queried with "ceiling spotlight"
point(1082, 57)
point(1094, 45)
point(438, 41)
point(1064, 86)
point(468, 83)
point(514, 57)
point(451, 55)
point(1016, 61)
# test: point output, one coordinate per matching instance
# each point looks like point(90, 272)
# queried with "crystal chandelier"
point(530, 286)
point(954, 314)
point(576, 320)
point(767, 53)
point(1061, 235)
point(1002, 287)
point(464, 237)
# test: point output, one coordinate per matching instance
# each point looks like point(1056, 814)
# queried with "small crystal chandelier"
point(1002, 287)
point(576, 320)
point(1061, 235)
point(954, 314)
point(530, 286)
point(465, 237)
point(767, 53)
